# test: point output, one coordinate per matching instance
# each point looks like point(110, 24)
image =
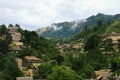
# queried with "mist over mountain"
point(70, 29)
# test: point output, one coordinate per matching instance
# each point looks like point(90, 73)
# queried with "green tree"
point(63, 73)
point(108, 45)
point(9, 69)
point(10, 25)
point(59, 58)
point(115, 66)
point(44, 69)
point(100, 23)
point(92, 42)
point(3, 29)
point(12, 47)
point(119, 44)
point(4, 46)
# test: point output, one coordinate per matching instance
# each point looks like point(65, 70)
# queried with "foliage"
point(115, 66)
point(5, 39)
point(92, 42)
point(63, 73)
point(9, 68)
point(44, 69)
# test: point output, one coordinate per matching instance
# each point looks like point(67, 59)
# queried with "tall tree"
point(92, 42)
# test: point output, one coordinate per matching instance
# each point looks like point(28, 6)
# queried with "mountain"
point(62, 30)
point(70, 29)
point(106, 29)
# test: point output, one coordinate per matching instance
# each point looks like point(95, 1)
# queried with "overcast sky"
point(33, 14)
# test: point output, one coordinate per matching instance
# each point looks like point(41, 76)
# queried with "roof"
point(29, 58)
point(36, 65)
point(17, 48)
point(115, 37)
point(17, 33)
point(18, 43)
point(115, 42)
point(12, 28)
point(16, 38)
point(113, 34)
point(24, 78)
point(102, 73)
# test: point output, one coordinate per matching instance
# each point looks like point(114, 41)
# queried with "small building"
point(115, 41)
point(12, 29)
point(114, 38)
point(24, 78)
point(102, 74)
point(16, 46)
point(113, 34)
point(32, 59)
point(16, 36)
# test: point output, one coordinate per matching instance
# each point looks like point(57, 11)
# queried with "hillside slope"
point(70, 29)
point(107, 29)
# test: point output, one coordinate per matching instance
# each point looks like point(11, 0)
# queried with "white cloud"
point(34, 14)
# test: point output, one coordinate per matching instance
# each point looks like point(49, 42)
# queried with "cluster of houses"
point(32, 63)
point(16, 44)
point(115, 42)
point(78, 46)
point(29, 64)
point(100, 74)
point(115, 37)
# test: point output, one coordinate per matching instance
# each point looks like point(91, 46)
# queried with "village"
point(29, 64)
point(32, 61)
point(79, 45)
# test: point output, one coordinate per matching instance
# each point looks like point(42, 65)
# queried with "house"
point(16, 44)
point(78, 46)
point(113, 34)
point(114, 37)
point(12, 29)
point(102, 74)
point(32, 59)
point(33, 62)
point(115, 41)
point(24, 78)
point(16, 36)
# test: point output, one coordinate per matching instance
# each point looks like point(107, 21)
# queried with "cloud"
point(33, 14)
